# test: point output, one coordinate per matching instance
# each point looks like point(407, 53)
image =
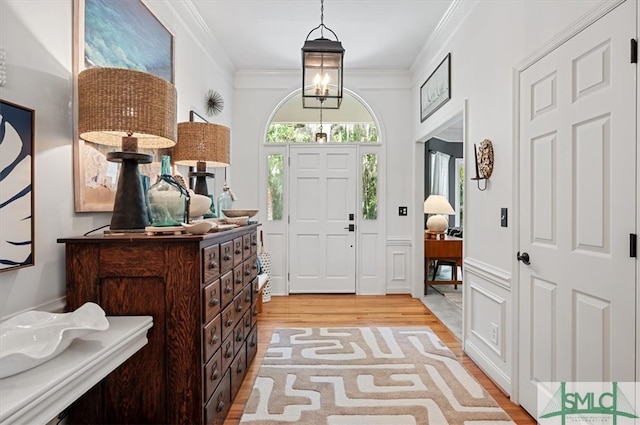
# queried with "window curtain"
point(439, 164)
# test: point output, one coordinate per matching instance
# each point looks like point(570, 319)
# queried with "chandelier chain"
point(322, 18)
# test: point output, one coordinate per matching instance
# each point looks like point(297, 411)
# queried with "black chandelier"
point(322, 64)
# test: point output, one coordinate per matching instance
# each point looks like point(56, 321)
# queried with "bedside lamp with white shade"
point(437, 205)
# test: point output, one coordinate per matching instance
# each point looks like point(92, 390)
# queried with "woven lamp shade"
point(202, 142)
point(114, 103)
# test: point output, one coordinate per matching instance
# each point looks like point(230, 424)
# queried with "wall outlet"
point(494, 333)
point(402, 210)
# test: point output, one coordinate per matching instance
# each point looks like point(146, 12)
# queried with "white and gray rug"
point(365, 376)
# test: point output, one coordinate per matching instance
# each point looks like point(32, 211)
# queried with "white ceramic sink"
point(31, 338)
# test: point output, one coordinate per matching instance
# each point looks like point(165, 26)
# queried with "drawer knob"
point(239, 307)
point(240, 368)
point(239, 337)
point(229, 352)
point(214, 301)
point(229, 322)
point(228, 289)
point(238, 251)
point(215, 374)
point(254, 243)
point(247, 298)
point(252, 343)
point(247, 272)
point(214, 336)
point(220, 405)
point(227, 257)
point(238, 281)
point(213, 265)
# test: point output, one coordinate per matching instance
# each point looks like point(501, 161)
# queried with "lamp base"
point(437, 224)
point(130, 206)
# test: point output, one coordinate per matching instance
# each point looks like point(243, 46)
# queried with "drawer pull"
point(238, 281)
point(229, 352)
point(238, 251)
point(227, 257)
point(247, 272)
point(214, 301)
point(214, 336)
point(252, 343)
point(240, 368)
point(246, 247)
point(220, 405)
point(239, 337)
point(247, 323)
point(215, 373)
point(254, 312)
point(213, 265)
point(228, 289)
point(229, 322)
point(239, 308)
point(247, 298)
point(254, 243)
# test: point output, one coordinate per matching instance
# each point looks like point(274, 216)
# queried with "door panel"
point(578, 206)
point(323, 194)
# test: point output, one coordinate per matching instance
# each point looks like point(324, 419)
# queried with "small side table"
point(449, 248)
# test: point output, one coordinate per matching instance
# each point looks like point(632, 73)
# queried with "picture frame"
point(143, 43)
point(17, 244)
point(436, 90)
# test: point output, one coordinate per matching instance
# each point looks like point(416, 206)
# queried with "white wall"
point(487, 39)
point(37, 37)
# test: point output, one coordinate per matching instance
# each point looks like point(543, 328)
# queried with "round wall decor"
point(213, 102)
point(485, 159)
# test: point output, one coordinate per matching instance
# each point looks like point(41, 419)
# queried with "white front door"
point(322, 206)
point(578, 207)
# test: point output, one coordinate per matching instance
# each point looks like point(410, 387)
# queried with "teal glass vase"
point(167, 199)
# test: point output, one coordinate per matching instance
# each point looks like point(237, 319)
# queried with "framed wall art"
point(436, 91)
point(118, 34)
point(16, 186)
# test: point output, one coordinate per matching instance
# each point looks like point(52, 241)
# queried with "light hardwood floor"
point(351, 310)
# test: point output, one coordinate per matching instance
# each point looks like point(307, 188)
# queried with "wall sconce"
point(484, 162)
point(322, 65)
point(131, 109)
point(437, 205)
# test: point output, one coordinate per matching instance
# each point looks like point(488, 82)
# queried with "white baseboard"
point(494, 373)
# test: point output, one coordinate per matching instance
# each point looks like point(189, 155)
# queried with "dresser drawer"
point(228, 320)
point(237, 250)
point(226, 256)
point(211, 338)
point(250, 269)
point(238, 336)
point(238, 278)
point(226, 287)
point(252, 345)
point(246, 246)
point(227, 352)
point(216, 409)
point(211, 300)
point(238, 371)
point(254, 243)
point(212, 374)
point(210, 263)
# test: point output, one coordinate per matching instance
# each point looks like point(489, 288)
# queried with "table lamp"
point(437, 205)
point(202, 145)
point(131, 109)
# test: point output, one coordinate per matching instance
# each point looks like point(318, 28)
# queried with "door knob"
point(524, 257)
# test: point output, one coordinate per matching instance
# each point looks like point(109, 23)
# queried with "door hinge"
point(288, 219)
point(289, 161)
point(634, 50)
point(633, 245)
point(288, 276)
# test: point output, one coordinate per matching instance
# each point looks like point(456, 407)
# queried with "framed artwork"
point(16, 186)
point(118, 34)
point(436, 91)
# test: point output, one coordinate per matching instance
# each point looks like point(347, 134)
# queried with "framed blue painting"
point(117, 34)
point(16, 186)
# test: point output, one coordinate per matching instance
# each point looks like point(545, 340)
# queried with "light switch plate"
point(503, 217)
point(402, 210)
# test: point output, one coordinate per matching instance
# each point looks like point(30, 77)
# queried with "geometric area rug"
point(365, 376)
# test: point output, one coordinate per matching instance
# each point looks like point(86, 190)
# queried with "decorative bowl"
point(240, 221)
point(34, 337)
point(199, 205)
point(199, 228)
point(240, 213)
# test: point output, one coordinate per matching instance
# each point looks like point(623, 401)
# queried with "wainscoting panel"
point(488, 331)
point(398, 266)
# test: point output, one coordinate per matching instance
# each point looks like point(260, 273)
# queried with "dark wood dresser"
point(202, 293)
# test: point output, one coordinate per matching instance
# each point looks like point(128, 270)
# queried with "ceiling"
point(268, 34)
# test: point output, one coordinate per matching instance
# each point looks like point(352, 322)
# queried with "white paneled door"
point(322, 207)
point(577, 200)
